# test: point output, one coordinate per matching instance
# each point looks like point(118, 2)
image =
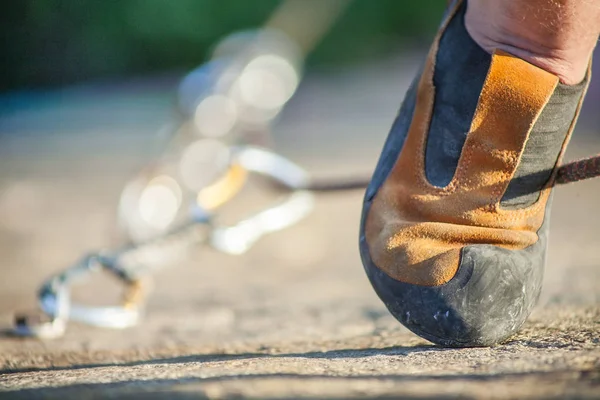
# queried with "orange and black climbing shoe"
point(455, 220)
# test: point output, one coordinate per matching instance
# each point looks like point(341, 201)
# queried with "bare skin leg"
point(558, 36)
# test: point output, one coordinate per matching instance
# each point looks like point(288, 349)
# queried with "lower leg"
point(558, 36)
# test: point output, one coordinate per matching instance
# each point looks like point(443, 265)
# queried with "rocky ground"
point(294, 317)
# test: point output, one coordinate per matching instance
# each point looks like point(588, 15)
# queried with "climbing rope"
point(579, 170)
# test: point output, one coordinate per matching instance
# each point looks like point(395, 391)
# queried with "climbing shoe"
point(454, 226)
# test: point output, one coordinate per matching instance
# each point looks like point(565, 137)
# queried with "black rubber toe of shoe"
point(487, 301)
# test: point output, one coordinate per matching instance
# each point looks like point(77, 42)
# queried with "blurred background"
point(88, 97)
point(52, 43)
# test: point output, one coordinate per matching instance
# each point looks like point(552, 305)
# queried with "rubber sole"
point(487, 301)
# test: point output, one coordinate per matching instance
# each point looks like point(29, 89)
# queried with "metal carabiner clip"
point(237, 239)
point(53, 296)
point(55, 302)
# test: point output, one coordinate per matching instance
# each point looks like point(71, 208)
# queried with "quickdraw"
point(132, 264)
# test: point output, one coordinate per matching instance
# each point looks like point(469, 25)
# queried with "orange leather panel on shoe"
point(414, 230)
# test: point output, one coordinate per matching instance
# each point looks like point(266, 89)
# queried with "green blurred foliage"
point(57, 42)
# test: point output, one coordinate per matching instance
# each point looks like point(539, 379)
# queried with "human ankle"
point(554, 49)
